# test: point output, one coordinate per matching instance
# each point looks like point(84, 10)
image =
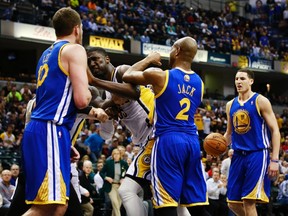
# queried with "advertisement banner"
point(106, 43)
point(281, 66)
point(251, 62)
point(219, 58)
point(163, 50)
point(201, 56)
point(21, 30)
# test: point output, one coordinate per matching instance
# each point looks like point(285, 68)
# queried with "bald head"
point(188, 47)
point(183, 52)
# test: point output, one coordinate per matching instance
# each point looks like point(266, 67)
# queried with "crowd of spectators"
point(211, 117)
point(262, 33)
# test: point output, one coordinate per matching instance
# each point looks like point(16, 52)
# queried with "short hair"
point(249, 72)
point(98, 50)
point(64, 20)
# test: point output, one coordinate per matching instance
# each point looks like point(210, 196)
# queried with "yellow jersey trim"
point(165, 85)
point(59, 61)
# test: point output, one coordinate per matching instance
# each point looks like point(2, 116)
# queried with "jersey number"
point(182, 114)
point(42, 74)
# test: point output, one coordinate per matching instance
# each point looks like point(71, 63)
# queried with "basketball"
point(215, 144)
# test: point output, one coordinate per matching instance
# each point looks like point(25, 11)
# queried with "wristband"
point(275, 161)
point(86, 110)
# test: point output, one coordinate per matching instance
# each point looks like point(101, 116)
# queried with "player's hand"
point(112, 112)
point(273, 169)
point(154, 58)
point(74, 154)
point(99, 114)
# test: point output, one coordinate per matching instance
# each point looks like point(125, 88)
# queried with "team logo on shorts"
point(241, 121)
point(146, 159)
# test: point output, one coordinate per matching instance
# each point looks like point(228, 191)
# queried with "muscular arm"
point(228, 132)
point(76, 66)
point(270, 119)
point(139, 76)
point(126, 90)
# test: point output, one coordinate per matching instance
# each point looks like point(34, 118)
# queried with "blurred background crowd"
point(261, 32)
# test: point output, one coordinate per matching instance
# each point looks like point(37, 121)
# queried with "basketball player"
point(62, 87)
point(176, 168)
point(251, 125)
point(18, 205)
point(136, 115)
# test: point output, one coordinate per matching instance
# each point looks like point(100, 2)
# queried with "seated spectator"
point(101, 20)
point(25, 90)
point(7, 137)
point(108, 29)
point(93, 25)
point(6, 189)
point(145, 38)
point(86, 197)
point(14, 95)
point(84, 8)
point(215, 187)
point(15, 170)
point(91, 5)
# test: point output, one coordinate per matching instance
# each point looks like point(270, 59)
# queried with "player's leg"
point(166, 174)
point(194, 191)
point(132, 194)
point(46, 164)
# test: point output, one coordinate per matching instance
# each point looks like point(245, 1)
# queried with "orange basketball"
point(215, 144)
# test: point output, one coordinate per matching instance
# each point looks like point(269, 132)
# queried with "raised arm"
point(137, 74)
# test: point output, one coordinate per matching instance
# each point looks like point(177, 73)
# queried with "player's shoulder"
point(72, 49)
point(262, 100)
point(156, 69)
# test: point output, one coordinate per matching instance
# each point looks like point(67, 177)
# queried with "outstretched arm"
point(126, 90)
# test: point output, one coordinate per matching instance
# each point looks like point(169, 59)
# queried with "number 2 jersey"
point(176, 104)
point(54, 99)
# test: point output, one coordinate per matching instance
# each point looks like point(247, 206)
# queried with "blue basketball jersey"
point(250, 132)
point(176, 104)
point(54, 99)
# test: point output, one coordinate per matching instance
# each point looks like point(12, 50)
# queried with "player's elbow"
point(82, 102)
point(127, 77)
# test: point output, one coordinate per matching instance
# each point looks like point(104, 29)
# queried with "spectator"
point(112, 173)
point(6, 189)
point(145, 38)
point(226, 163)
point(86, 197)
point(14, 95)
point(215, 187)
point(8, 138)
point(95, 143)
point(15, 170)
